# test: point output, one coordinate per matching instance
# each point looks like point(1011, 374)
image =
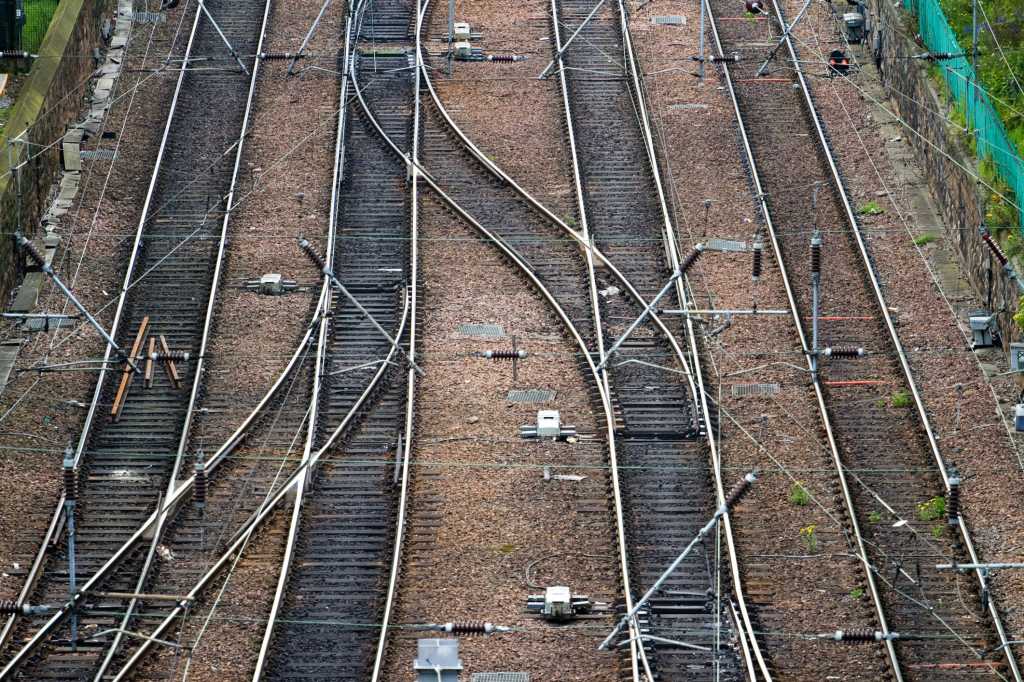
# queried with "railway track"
point(935, 625)
point(473, 185)
point(343, 532)
point(128, 463)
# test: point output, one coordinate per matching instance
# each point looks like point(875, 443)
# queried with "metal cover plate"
point(530, 395)
point(740, 390)
point(149, 17)
point(98, 154)
point(500, 677)
point(670, 20)
point(726, 245)
point(489, 330)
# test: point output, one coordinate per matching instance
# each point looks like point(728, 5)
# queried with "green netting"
point(993, 142)
point(37, 19)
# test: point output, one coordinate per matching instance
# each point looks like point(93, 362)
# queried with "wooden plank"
point(172, 369)
point(149, 363)
point(126, 375)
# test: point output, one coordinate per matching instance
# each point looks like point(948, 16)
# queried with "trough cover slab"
point(98, 154)
point(491, 330)
point(727, 245)
point(149, 17)
point(500, 677)
point(530, 395)
point(740, 390)
point(670, 20)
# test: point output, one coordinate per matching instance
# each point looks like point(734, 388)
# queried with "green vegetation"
point(1001, 73)
point(810, 537)
point(857, 593)
point(37, 19)
point(924, 239)
point(798, 495)
point(933, 509)
point(875, 517)
point(937, 531)
point(899, 399)
point(871, 208)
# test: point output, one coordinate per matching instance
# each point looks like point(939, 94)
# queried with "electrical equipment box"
point(1017, 356)
point(854, 23)
point(549, 424)
point(437, 660)
point(461, 33)
point(271, 284)
point(558, 604)
point(982, 327)
point(1018, 418)
point(462, 50)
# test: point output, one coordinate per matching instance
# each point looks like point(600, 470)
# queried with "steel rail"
point(52, 532)
point(403, 493)
point(205, 338)
point(324, 307)
point(51, 537)
point(637, 652)
point(801, 333)
point(584, 243)
point(515, 258)
point(284, 492)
point(701, 395)
point(908, 374)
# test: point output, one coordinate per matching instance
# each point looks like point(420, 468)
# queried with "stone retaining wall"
point(956, 192)
point(50, 99)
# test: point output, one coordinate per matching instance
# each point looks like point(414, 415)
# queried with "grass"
point(937, 531)
point(924, 239)
point(899, 399)
point(857, 593)
point(871, 208)
point(932, 510)
point(875, 517)
point(37, 19)
point(798, 495)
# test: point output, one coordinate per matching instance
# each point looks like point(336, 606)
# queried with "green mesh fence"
point(37, 19)
point(993, 142)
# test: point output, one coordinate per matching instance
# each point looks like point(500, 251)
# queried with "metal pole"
point(558, 55)
point(69, 516)
point(305, 41)
point(719, 513)
point(782, 40)
point(451, 34)
point(222, 36)
point(366, 313)
point(643, 316)
point(48, 270)
point(702, 10)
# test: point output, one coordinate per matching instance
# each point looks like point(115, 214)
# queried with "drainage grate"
point(670, 20)
point(500, 677)
point(726, 245)
point(740, 390)
point(530, 395)
point(98, 154)
point(149, 17)
point(489, 330)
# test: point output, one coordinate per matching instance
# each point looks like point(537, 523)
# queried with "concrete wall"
point(50, 99)
point(956, 192)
